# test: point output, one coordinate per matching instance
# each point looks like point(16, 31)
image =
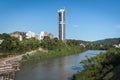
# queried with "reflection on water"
point(61, 68)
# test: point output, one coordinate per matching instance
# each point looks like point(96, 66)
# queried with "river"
point(61, 68)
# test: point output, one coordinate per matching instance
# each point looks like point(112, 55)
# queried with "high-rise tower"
point(61, 24)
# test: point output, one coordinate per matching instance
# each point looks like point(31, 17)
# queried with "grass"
point(38, 55)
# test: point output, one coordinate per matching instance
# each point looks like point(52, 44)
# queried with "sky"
point(88, 20)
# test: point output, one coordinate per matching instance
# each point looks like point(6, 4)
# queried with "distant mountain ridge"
point(108, 41)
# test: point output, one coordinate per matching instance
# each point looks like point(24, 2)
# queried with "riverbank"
point(40, 55)
point(15, 58)
point(101, 67)
point(58, 68)
point(11, 64)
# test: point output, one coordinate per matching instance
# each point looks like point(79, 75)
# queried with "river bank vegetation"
point(12, 46)
point(38, 55)
point(50, 47)
point(104, 66)
point(101, 67)
point(55, 48)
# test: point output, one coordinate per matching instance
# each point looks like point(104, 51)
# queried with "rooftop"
point(61, 10)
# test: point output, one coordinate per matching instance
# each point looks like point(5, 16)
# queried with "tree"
point(10, 44)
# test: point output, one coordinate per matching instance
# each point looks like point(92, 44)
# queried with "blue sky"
point(85, 19)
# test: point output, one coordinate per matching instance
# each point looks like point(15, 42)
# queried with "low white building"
point(1, 40)
point(83, 45)
point(116, 46)
point(20, 38)
point(40, 36)
point(43, 34)
point(30, 34)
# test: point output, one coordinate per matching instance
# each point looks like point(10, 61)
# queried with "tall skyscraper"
point(61, 24)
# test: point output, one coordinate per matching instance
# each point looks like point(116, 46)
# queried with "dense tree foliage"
point(9, 44)
point(12, 45)
point(73, 42)
point(101, 67)
point(51, 44)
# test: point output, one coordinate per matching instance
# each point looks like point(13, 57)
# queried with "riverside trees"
point(102, 67)
point(12, 45)
point(51, 44)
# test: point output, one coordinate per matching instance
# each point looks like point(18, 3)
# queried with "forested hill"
point(108, 41)
point(101, 44)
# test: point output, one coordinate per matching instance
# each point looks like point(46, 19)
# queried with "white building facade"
point(43, 34)
point(30, 34)
point(40, 36)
